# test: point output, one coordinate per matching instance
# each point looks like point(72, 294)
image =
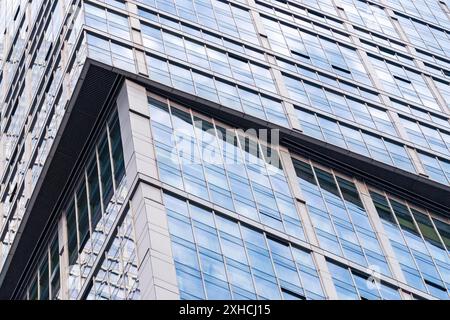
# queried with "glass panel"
point(54, 269)
point(94, 193)
point(72, 234)
point(117, 152)
point(43, 280)
point(105, 170)
point(83, 216)
point(444, 231)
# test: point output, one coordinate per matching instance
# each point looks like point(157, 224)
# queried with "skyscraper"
point(213, 149)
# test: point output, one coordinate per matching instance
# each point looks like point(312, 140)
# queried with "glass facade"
point(88, 218)
point(430, 256)
point(221, 166)
point(218, 258)
point(117, 278)
point(339, 218)
point(246, 212)
point(344, 225)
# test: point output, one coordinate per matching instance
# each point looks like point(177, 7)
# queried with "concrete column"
point(300, 203)
point(141, 62)
point(398, 125)
point(418, 62)
point(134, 118)
point(136, 31)
point(416, 160)
point(64, 257)
point(156, 269)
point(391, 14)
point(440, 99)
point(325, 276)
point(131, 7)
point(256, 18)
point(289, 108)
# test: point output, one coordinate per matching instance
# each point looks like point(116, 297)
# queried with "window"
point(310, 48)
point(369, 15)
point(55, 269)
point(108, 21)
point(83, 215)
point(43, 280)
point(227, 265)
point(111, 52)
point(354, 139)
point(339, 217)
point(413, 252)
point(220, 16)
point(72, 234)
point(105, 170)
point(345, 107)
point(403, 82)
point(248, 189)
point(117, 151)
point(352, 285)
point(94, 193)
point(424, 35)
